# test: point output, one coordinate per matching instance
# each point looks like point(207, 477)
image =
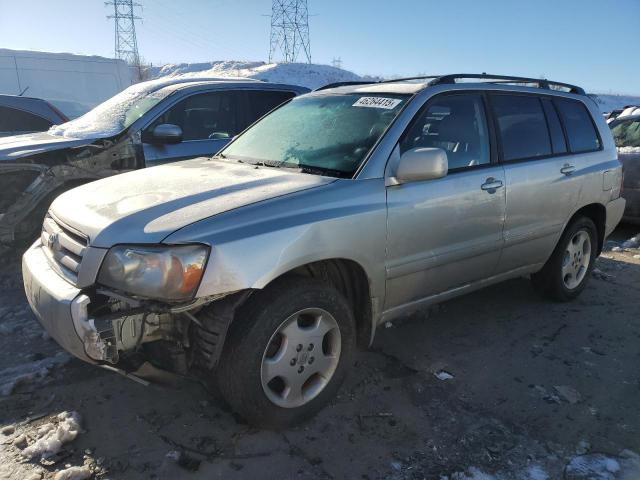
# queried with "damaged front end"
point(35, 169)
point(126, 332)
point(128, 304)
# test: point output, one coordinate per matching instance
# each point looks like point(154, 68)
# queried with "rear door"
point(447, 232)
point(543, 174)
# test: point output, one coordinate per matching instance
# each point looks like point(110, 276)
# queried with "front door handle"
point(491, 185)
point(567, 169)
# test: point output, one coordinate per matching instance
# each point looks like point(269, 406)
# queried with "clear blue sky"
point(593, 43)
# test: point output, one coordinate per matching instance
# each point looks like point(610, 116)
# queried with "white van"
point(73, 83)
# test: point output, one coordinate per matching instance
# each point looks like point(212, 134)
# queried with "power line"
point(289, 30)
point(126, 44)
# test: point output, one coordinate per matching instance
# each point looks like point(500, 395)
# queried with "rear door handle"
point(491, 185)
point(567, 169)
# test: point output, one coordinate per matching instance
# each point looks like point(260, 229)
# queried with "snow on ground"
point(27, 372)
point(628, 149)
point(307, 75)
point(53, 435)
point(73, 473)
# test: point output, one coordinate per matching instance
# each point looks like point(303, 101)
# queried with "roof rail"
point(419, 77)
point(343, 84)
point(540, 82)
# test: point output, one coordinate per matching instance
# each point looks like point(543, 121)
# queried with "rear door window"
point(19, 121)
point(522, 126)
point(578, 124)
point(455, 123)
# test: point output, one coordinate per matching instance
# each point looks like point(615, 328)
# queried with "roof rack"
point(539, 82)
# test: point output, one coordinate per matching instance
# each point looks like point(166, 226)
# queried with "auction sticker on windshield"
point(377, 102)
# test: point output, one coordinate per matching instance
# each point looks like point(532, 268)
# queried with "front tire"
point(567, 271)
point(287, 352)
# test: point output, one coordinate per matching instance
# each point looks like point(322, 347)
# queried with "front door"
point(208, 122)
point(446, 233)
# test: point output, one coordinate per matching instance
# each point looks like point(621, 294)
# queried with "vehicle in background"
point(73, 83)
point(27, 115)
point(626, 134)
point(622, 112)
point(339, 211)
point(147, 124)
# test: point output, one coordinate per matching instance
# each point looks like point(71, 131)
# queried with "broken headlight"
point(168, 273)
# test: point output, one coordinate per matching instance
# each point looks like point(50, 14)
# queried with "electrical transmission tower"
point(290, 30)
point(126, 44)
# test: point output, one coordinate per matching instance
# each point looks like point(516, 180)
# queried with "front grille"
point(65, 247)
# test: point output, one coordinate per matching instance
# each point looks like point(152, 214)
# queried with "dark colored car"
point(25, 115)
point(147, 124)
point(626, 134)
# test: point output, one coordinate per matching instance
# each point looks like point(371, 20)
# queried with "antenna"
point(126, 44)
point(289, 30)
point(336, 62)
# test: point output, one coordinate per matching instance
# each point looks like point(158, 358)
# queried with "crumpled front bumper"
point(60, 307)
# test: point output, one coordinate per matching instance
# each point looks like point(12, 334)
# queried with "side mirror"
point(166, 133)
point(421, 164)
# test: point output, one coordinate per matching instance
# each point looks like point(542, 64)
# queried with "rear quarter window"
point(581, 132)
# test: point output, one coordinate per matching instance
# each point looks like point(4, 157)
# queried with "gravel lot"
point(498, 384)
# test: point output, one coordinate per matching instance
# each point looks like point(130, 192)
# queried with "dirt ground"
point(535, 390)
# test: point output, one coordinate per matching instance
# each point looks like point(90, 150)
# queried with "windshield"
point(321, 134)
point(114, 115)
point(627, 133)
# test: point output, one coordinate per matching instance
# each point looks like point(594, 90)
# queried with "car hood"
point(18, 146)
point(146, 205)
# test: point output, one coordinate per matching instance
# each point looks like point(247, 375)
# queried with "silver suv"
point(264, 266)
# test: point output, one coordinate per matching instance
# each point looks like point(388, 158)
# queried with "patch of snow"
point(110, 117)
point(472, 473)
point(73, 473)
point(536, 472)
point(53, 435)
point(303, 74)
point(11, 377)
point(443, 375)
point(628, 149)
point(633, 242)
point(616, 249)
point(592, 467)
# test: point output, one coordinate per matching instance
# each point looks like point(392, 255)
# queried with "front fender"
point(253, 245)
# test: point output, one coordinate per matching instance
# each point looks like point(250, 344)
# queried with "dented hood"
point(18, 146)
point(147, 205)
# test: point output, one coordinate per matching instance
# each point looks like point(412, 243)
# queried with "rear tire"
point(287, 352)
point(567, 271)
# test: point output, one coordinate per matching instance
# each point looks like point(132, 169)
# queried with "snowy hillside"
point(612, 102)
point(307, 75)
point(313, 76)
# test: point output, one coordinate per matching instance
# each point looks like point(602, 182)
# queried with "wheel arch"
point(598, 214)
point(351, 280)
